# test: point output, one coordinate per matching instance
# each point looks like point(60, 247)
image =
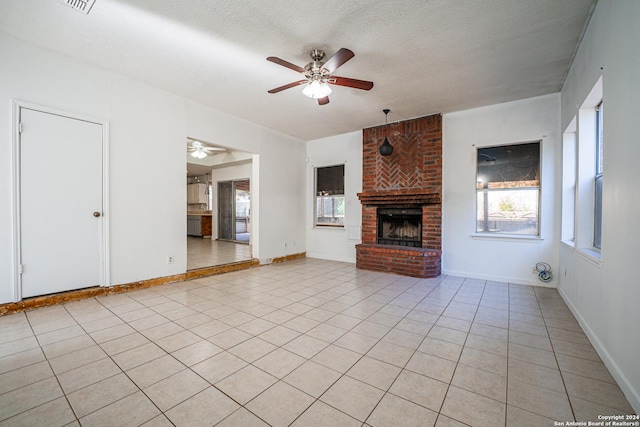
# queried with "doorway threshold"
point(224, 268)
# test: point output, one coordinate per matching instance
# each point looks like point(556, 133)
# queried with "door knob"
point(96, 214)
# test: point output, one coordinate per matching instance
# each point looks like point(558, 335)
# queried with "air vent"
point(83, 6)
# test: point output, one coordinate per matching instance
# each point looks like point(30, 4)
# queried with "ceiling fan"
point(318, 75)
point(199, 150)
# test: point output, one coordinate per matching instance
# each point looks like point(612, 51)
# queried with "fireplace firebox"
point(400, 227)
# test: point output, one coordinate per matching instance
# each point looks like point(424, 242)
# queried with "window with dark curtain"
point(330, 196)
point(508, 189)
point(330, 181)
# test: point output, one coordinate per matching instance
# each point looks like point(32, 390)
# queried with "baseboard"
point(290, 257)
point(330, 258)
point(630, 392)
point(81, 294)
point(504, 279)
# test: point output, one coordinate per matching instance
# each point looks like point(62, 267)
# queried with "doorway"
point(234, 207)
point(61, 200)
point(227, 244)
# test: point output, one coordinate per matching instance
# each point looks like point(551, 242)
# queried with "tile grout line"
point(555, 357)
point(461, 351)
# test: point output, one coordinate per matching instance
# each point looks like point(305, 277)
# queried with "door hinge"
point(20, 270)
point(20, 128)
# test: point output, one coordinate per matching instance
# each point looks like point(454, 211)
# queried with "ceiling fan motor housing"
point(315, 70)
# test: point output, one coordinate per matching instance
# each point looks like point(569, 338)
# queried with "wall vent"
point(83, 6)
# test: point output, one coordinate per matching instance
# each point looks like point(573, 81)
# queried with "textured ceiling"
point(424, 56)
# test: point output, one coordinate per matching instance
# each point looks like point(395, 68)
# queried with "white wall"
point(605, 297)
point(496, 258)
point(331, 242)
point(147, 212)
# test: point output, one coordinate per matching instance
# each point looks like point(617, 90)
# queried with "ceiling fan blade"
point(323, 101)
point(284, 63)
point(289, 86)
point(354, 83)
point(340, 57)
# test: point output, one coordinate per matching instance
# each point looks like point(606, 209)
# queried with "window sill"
point(520, 238)
point(569, 243)
point(591, 255)
point(329, 227)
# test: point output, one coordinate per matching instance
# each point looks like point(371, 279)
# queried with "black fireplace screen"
point(400, 227)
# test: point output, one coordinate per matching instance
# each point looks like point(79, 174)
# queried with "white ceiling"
point(424, 56)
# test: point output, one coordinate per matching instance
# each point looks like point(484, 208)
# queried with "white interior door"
point(60, 203)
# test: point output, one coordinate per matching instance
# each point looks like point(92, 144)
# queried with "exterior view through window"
point(330, 196)
point(508, 189)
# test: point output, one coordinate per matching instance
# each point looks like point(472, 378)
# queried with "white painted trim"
point(503, 279)
point(521, 238)
point(631, 393)
point(329, 257)
point(17, 105)
point(15, 200)
point(106, 212)
point(590, 255)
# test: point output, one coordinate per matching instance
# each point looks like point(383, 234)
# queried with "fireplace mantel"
point(404, 197)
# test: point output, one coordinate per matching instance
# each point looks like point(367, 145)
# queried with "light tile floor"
point(305, 343)
point(210, 252)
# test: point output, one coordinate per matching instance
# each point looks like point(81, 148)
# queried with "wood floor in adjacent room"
point(305, 343)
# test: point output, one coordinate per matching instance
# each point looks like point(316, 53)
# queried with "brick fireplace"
point(401, 199)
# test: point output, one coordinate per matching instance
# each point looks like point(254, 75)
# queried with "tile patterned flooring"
point(305, 343)
point(209, 252)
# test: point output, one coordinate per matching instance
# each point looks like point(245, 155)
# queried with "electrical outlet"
point(170, 259)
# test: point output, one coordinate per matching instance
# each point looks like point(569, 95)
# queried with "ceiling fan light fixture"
point(199, 154)
point(316, 89)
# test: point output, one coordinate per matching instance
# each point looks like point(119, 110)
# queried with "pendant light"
point(386, 149)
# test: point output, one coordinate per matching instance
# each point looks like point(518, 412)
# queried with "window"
point(330, 196)
point(569, 187)
point(597, 220)
point(585, 135)
point(508, 189)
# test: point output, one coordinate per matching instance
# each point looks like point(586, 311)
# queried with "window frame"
point(334, 197)
point(486, 191)
point(585, 215)
point(598, 178)
point(569, 183)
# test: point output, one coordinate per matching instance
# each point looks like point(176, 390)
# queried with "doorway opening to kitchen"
point(218, 205)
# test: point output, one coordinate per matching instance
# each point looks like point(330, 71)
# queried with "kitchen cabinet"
point(199, 225)
point(196, 193)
